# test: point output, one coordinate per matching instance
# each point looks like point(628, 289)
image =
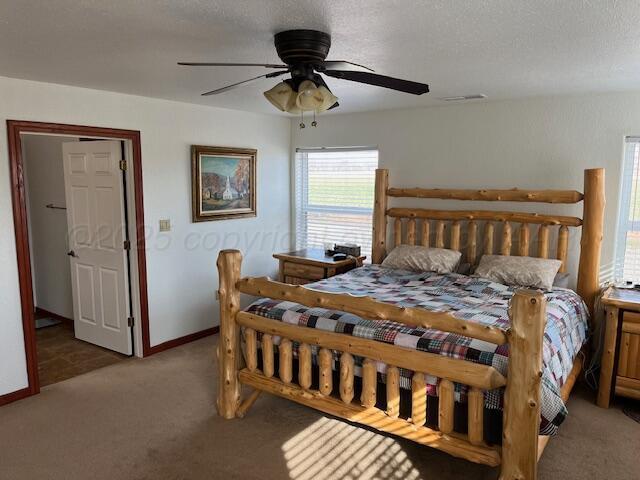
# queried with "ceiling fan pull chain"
point(302, 125)
point(314, 123)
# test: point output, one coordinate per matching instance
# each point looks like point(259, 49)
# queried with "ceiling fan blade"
point(344, 65)
point(237, 84)
point(369, 78)
point(219, 64)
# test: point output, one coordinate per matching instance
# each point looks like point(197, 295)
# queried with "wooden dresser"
point(620, 371)
point(310, 265)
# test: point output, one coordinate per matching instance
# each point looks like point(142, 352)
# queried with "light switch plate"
point(165, 225)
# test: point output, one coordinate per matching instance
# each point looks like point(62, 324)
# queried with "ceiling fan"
point(303, 53)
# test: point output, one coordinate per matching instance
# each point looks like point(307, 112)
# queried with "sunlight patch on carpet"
point(331, 449)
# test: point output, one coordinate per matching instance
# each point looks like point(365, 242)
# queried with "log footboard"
point(518, 454)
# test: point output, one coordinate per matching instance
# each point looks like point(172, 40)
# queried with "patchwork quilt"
point(470, 298)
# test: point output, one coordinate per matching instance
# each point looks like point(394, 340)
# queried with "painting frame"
point(198, 193)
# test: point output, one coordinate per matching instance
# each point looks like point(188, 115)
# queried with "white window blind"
point(334, 195)
point(628, 241)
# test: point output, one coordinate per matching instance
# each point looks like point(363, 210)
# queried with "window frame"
point(303, 190)
point(623, 223)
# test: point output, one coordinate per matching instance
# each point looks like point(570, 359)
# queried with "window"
point(334, 195)
point(628, 241)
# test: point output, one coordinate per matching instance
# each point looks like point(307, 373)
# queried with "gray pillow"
point(422, 259)
point(561, 279)
point(519, 271)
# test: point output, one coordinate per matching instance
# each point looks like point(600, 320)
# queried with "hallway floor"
point(61, 356)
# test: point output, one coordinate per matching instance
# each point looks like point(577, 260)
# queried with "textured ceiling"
point(505, 49)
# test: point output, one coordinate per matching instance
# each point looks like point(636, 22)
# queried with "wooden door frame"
point(14, 129)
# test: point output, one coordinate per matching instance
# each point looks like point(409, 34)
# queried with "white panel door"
point(97, 232)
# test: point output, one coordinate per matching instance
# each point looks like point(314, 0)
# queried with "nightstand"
point(310, 265)
point(620, 370)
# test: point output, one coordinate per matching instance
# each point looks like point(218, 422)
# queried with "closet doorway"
point(79, 225)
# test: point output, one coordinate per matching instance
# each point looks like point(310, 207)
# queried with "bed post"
point(591, 239)
point(521, 418)
point(379, 250)
point(229, 264)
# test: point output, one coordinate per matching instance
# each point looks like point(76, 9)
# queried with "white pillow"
point(519, 271)
point(422, 259)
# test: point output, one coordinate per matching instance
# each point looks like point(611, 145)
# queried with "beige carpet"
point(155, 419)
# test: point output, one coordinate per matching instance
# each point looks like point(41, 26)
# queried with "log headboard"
point(414, 225)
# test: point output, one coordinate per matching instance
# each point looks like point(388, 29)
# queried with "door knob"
point(71, 253)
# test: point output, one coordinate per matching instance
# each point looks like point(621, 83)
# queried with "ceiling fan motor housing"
point(296, 47)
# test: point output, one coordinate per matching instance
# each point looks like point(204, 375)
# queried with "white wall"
point(48, 231)
point(534, 143)
point(181, 271)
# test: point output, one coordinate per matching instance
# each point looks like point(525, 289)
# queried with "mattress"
point(470, 298)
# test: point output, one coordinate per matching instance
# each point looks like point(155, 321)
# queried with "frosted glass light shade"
point(309, 97)
point(282, 97)
point(328, 99)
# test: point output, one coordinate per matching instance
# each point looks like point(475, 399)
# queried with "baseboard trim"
point(47, 313)
point(176, 342)
point(14, 396)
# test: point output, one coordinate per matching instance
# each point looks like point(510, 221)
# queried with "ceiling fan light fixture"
point(282, 96)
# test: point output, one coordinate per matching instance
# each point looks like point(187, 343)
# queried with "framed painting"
point(223, 182)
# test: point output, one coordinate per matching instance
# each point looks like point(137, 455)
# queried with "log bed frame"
point(521, 446)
